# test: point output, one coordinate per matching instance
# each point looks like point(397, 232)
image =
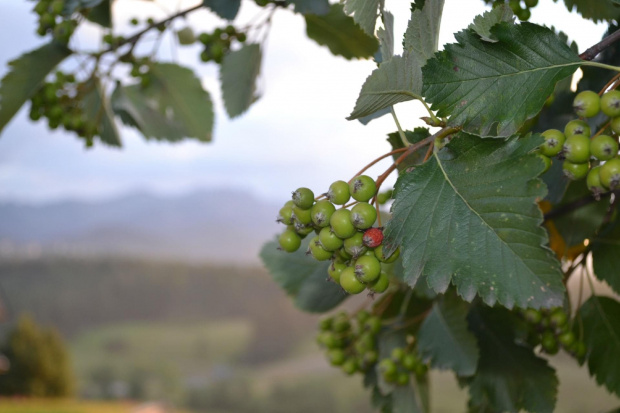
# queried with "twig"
point(394, 152)
point(593, 51)
point(576, 204)
point(611, 82)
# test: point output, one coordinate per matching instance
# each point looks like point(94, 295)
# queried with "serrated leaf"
point(319, 7)
point(340, 34)
point(606, 255)
point(98, 111)
point(469, 216)
point(491, 89)
point(483, 23)
point(173, 106)
point(367, 119)
point(445, 340)
point(412, 137)
point(601, 334)
point(509, 377)
point(397, 80)
point(364, 13)
point(238, 74)
point(386, 38)
point(422, 34)
point(302, 277)
point(226, 9)
point(101, 14)
point(25, 77)
point(599, 10)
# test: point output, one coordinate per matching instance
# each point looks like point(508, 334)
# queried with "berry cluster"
point(551, 329)
point(579, 151)
point(344, 236)
point(58, 102)
point(403, 362)
point(218, 43)
point(52, 21)
point(350, 343)
point(521, 9)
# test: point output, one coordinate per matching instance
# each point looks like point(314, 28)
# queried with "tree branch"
point(576, 204)
point(593, 51)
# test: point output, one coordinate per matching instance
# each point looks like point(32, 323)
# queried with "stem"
point(400, 130)
point(394, 152)
point(350, 204)
point(593, 51)
point(601, 65)
point(429, 151)
point(613, 79)
point(576, 204)
point(602, 130)
point(378, 211)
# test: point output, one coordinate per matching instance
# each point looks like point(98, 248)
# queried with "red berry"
point(373, 237)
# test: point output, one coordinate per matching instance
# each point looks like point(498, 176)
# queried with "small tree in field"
point(39, 362)
point(506, 192)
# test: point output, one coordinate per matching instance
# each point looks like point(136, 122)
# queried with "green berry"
point(410, 362)
point(554, 140)
point(341, 223)
point(577, 149)
point(363, 215)
point(367, 269)
point(370, 357)
point(343, 254)
point(350, 366)
point(531, 3)
point(388, 367)
point(380, 284)
point(321, 212)
point(615, 125)
point(349, 282)
point(336, 357)
point(580, 349)
point(355, 245)
point(381, 257)
point(567, 339)
point(587, 104)
point(362, 188)
point(577, 127)
point(335, 269)
point(373, 324)
point(289, 241)
point(593, 181)
point(362, 316)
point(549, 343)
point(533, 316)
point(365, 342)
point(303, 198)
point(134, 22)
point(546, 161)
point(317, 251)
point(558, 318)
point(575, 171)
point(383, 197)
point(610, 103)
point(523, 14)
point(325, 323)
point(341, 323)
point(397, 354)
point(338, 193)
point(610, 173)
point(329, 241)
point(302, 229)
point(285, 216)
point(421, 369)
point(303, 216)
point(402, 379)
point(604, 147)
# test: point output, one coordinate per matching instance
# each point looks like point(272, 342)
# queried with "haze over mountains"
point(205, 226)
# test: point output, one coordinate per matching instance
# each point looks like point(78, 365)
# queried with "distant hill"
point(203, 226)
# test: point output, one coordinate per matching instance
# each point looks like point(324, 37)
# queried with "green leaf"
point(340, 34)
point(101, 14)
point(238, 74)
point(226, 9)
point(397, 80)
point(581, 223)
point(600, 10)
point(25, 77)
point(319, 7)
point(386, 38)
point(72, 6)
point(509, 377)
point(491, 89)
point(422, 35)
point(364, 13)
point(412, 137)
point(172, 107)
point(366, 119)
point(302, 277)
point(482, 24)
point(445, 340)
point(98, 111)
point(606, 255)
point(469, 216)
point(601, 334)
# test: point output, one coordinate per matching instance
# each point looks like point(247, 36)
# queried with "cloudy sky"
point(295, 135)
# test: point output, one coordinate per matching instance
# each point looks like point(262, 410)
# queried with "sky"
point(295, 135)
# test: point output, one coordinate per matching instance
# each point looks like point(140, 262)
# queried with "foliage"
point(39, 362)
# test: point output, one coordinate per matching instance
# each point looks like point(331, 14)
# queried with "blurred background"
point(132, 275)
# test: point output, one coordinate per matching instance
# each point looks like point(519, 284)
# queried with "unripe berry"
point(341, 323)
point(388, 367)
point(363, 215)
point(381, 257)
point(546, 161)
point(577, 127)
point(593, 181)
point(362, 188)
point(329, 241)
point(341, 224)
point(286, 215)
point(321, 212)
point(403, 378)
point(604, 147)
point(554, 141)
point(610, 103)
point(317, 251)
point(397, 354)
point(349, 282)
point(303, 198)
point(335, 269)
point(325, 323)
point(410, 361)
point(350, 366)
point(567, 338)
point(558, 318)
point(303, 216)
point(610, 173)
point(289, 241)
point(533, 316)
point(338, 193)
point(577, 149)
point(575, 171)
point(355, 245)
point(615, 125)
point(373, 324)
point(380, 284)
point(367, 269)
point(336, 357)
point(587, 104)
point(373, 237)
